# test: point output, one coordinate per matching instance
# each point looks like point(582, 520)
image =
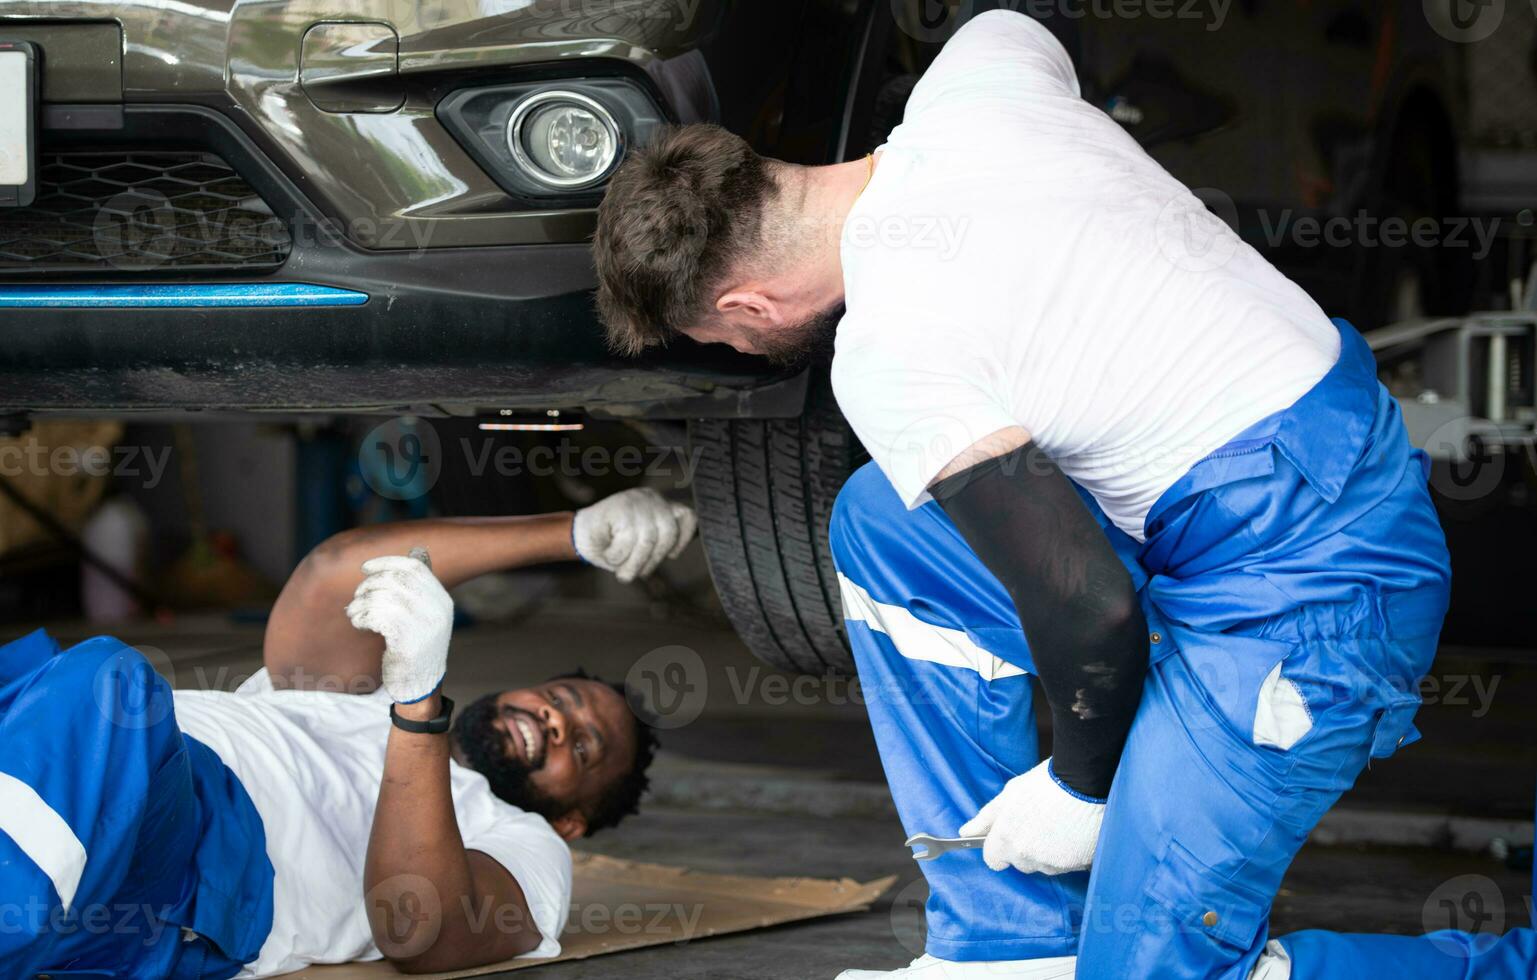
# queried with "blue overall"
point(1448, 954)
point(127, 849)
point(1308, 542)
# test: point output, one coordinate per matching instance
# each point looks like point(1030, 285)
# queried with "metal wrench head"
point(933, 846)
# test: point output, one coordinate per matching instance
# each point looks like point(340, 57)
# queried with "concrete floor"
point(776, 777)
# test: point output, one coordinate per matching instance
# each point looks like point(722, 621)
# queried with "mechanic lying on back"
point(204, 834)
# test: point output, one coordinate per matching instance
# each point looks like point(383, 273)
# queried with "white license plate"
point(15, 113)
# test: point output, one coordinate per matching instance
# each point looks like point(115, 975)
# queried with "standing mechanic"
point(1139, 464)
point(333, 808)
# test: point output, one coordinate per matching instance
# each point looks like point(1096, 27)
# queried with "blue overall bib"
point(127, 849)
point(1307, 546)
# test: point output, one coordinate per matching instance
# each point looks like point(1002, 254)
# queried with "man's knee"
point(867, 509)
point(115, 680)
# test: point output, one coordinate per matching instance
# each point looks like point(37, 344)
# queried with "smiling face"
point(552, 749)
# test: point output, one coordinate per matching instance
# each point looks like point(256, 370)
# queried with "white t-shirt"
point(1018, 260)
point(311, 763)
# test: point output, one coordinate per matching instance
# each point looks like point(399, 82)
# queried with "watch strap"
point(432, 726)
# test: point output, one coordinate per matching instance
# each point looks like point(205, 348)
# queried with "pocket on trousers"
point(1281, 714)
point(1202, 905)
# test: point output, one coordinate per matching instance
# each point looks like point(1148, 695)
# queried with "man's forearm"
point(462, 547)
point(426, 893)
point(1075, 601)
point(309, 642)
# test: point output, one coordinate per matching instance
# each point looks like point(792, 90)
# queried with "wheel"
point(890, 104)
point(764, 490)
point(1413, 280)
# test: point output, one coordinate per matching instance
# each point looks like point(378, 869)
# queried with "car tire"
point(1409, 280)
point(890, 105)
point(764, 490)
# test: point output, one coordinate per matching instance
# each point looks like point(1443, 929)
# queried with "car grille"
point(140, 211)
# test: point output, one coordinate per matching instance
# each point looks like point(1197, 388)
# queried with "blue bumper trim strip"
point(160, 295)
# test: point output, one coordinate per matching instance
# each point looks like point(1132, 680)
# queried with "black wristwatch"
point(432, 726)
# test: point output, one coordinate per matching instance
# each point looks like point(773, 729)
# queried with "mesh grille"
point(1502, 81)
point(141, 211)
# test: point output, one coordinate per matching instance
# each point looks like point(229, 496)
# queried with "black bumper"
point(443, 331)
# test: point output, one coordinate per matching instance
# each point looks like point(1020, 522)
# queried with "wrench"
point(933, 846)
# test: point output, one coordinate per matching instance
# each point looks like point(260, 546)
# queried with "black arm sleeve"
point(1075, 600)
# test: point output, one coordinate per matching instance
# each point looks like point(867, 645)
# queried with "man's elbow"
point(330, 555)
point(466, 947)
point(1113, 620)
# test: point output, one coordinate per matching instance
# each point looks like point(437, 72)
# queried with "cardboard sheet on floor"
point(621, 905)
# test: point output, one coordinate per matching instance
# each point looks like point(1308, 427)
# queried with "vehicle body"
point(291, 207)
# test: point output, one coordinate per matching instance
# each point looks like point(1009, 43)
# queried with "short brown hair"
point(677, 217)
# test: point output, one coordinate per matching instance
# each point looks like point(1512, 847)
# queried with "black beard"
point(484, 749)
point(807, 341)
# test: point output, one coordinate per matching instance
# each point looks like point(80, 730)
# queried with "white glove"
point(1034, 824)
point(631, 532)
point(402, 601)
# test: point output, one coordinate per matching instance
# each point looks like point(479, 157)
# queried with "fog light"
point(562, 139)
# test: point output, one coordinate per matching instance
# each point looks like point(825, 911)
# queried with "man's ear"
point(571, 825)
point(751, 303)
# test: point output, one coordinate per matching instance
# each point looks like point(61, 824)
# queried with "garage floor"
point(781, 778)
